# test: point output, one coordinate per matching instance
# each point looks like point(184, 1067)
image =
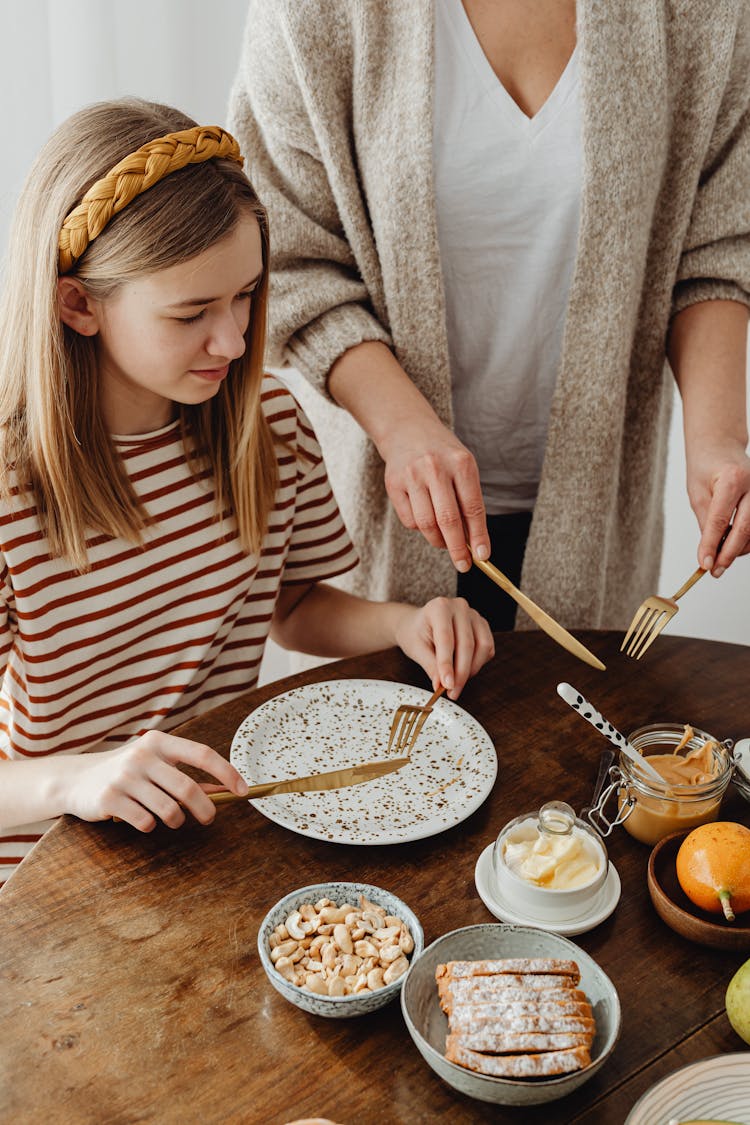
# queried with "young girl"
point(164, 507)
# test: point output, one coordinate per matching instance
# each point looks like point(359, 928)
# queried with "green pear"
point(738, 1001)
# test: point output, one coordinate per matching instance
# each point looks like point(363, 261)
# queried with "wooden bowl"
point(685, 918)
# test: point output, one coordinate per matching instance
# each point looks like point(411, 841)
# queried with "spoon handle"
point(580, 704)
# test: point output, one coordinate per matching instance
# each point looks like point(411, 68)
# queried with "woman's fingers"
point(437, 490)
point(720, 497)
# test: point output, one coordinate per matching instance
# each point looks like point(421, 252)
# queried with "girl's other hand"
point(140, 783)
point(449, 639)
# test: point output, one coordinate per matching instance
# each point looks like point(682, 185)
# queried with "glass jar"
point(649, 811)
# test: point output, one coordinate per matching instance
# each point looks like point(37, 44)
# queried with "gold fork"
point(408, 720)
point(651, 617)
point(653, 614)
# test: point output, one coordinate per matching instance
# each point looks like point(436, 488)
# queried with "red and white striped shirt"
point(151, 636)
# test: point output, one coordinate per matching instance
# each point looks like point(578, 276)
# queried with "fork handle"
point(435, 696)
point(690, 582)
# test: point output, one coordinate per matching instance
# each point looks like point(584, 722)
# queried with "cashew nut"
point(343, 938)
point(405, 941)
point(375, 979)
point(283, 950)
point(395, 970)
point(294, 925)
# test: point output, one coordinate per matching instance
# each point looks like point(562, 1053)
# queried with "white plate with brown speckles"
point(337, 723)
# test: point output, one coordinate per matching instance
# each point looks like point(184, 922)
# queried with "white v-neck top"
point(507, 193)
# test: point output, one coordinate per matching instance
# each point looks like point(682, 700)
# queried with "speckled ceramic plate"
point(338, 723)
point(715, 1089)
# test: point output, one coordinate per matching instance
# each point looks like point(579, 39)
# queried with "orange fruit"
point(713, 867)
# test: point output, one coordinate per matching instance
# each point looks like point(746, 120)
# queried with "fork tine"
point(403, 720)
point(407, 722)
point(407, 735)
point(638, 618)
point(415, 732)
point(657, 627)
point(643, 629)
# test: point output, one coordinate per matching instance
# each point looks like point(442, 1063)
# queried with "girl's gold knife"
point(334, 779)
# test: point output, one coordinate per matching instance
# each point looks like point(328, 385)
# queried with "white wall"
point(60, 54)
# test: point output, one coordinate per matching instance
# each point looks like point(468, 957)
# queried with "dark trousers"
point(508, 535)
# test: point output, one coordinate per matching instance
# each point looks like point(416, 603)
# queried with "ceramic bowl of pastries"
point(339, 949)
point(510, 1014)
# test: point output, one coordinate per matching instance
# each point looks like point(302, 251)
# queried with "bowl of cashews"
point(339, 949)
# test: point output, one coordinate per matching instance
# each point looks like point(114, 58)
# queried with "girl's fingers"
point(188, 794)
point(157, 801)
point(484, 643)
point(463, 645)
point(203, 758)
point(131, 812)
point(443, 641)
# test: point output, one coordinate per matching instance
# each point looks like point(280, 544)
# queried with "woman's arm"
point(448, 638)
point(707, 350)
point(138, 783)
point(322, 315)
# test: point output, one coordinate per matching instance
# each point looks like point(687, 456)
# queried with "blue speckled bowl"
point(335, 1006)
point(428, 1024)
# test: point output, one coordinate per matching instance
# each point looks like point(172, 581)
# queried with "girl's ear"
point(77, 308)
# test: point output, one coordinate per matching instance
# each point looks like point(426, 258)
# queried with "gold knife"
point(550, 626)
point(334, 779)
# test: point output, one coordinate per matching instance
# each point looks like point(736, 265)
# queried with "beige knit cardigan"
point(332, 106)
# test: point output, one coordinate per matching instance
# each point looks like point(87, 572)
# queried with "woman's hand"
point(719, 493)
point(448, 638)
point(433, 482)
point(431, 478)
point(141, 783)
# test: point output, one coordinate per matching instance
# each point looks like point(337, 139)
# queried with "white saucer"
point(498, 905)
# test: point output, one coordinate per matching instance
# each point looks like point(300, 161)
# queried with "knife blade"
point(333, 779)
point(536, 613)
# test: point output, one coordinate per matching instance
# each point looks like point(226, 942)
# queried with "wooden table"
point(130, 984)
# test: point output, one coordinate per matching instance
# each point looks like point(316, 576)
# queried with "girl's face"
point(168, 337)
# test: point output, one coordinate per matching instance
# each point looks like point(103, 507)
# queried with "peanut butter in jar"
point(696, 769)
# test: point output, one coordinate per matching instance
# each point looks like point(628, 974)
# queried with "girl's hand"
point(719, 492)
point(448, 638)
point(141, 783)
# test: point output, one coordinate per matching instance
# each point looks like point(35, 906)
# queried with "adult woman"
point(335, 100)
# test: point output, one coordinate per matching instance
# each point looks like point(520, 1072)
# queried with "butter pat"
point(563, 862)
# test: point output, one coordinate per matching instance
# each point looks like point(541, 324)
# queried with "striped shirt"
point(152, 635)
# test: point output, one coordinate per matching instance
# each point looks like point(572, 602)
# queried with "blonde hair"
point(53, 441)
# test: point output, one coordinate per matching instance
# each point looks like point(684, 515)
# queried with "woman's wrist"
point(369, 382)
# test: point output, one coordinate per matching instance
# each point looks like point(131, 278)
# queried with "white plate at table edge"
point(608, 898)
point(278, 810)
point(688, 1081)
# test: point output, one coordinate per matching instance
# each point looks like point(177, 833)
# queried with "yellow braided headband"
point(136, 173)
